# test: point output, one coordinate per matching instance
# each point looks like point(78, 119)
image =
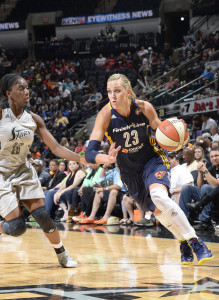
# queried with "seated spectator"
point(207, 122)
point(196, 126)
point(209, 75)
point(68, 83)
point(100, 61)
point(200, 155)
point(95, 99)
point(63, 196)
point(189, 159)
point(42, 174)
point(189, 193)
point(65, 92)
point(110, 194)
point(215, 144)
point(124, 64)
point(36, 152)
point(64, 142)
point(80, 147)
point(214, 133)
point(60, 119)
point(52, 184)
point(208, 140)
point(87, 191)
point(56, 176)
point(111, 60)
point(179, 176)
point(63, 166)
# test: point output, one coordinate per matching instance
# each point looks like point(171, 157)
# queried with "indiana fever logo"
point(160, 174)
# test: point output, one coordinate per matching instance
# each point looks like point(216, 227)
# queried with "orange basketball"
point(172, 134)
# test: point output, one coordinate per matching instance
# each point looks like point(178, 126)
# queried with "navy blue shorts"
point(138, 183)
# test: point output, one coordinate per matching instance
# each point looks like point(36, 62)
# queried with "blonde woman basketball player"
point(144, 166)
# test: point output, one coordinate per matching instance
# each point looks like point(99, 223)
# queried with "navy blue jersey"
point(138, 145)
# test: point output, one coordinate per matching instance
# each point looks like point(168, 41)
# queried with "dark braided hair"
point(7, 82)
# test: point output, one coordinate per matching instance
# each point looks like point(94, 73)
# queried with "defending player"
point(18, 179)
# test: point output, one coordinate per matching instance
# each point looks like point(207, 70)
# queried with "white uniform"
point(18, 178)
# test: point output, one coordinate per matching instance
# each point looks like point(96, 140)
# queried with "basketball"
point(172, 134)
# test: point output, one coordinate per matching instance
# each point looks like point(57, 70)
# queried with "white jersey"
point(16, 137)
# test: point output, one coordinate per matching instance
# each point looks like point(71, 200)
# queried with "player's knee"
point(160, 198)
point(15, 227)
point(42, 217)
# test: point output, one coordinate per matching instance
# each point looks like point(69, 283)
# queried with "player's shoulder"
point(143, 104)
point(105, 111)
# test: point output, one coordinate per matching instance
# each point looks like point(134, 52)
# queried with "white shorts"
point(22, 184)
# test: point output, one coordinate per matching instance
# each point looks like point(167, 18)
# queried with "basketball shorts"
point(138, 183)
point(21, 184)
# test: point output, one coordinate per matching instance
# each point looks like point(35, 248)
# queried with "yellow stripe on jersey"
point(159, 151)
point(110, 105)
point(109, 138)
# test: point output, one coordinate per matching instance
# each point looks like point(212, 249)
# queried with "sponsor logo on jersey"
point(125, 150)
point(160, 174)
point(113, 117)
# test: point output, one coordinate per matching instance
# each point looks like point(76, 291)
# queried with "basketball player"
point(144, 166)
point(18, 179)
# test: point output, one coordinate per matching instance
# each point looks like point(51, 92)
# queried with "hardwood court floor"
point(111, 266)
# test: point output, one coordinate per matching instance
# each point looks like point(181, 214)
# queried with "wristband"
point(91, 151)
point(205, 172)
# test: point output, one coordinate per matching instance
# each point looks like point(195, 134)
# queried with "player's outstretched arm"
point(101, 124)
point(49, 140)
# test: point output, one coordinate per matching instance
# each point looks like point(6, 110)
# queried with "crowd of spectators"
point(93, 194)
point(64, 91)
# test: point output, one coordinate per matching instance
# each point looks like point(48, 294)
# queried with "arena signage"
point(201, 106)
point(206, 105)
point(112, 17)
point(9, 26)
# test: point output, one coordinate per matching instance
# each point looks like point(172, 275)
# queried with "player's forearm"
point(63, 152)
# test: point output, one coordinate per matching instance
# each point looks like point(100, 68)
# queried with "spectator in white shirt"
point(100, 61)
point(207, 122)
point(214, 133)
point(179, 176)
point(142, 52)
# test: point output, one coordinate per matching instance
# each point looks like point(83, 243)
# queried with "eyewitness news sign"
point(112, 17)
point(9, 26)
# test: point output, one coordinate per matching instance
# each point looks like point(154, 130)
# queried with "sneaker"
point(66, 261)
point(87, 221)
point(186, 253)
point(144, 223)
point(100, 222)
point(79, 217)
point(202, 252)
